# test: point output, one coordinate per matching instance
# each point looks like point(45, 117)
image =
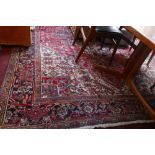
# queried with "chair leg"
point(77, 33)
point(134, 38)
point(103, 41)
point(88, 39)
point(152, 87)
point(114, 50)
point(120, 28)
point(151, 57)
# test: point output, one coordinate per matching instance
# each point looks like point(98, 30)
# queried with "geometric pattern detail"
point(45, 88)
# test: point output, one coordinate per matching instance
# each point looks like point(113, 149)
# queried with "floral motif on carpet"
point(45, 88)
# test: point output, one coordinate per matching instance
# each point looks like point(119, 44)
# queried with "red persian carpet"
point(44, 87)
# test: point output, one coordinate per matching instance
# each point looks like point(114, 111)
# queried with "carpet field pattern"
point(45, 88)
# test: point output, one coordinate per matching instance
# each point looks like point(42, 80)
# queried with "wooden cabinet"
point(15, 35)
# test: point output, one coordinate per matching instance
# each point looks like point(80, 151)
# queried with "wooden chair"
point(130, 36)
point(133, 39)
point(106, 32)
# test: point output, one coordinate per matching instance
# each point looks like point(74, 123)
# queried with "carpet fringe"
point(116, 124)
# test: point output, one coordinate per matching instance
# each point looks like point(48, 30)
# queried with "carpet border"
point(7, 83)
point(99, 125)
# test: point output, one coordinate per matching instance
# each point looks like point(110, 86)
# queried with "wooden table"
point(146, 35)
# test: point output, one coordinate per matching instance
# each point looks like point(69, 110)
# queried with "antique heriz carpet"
point(45, 88)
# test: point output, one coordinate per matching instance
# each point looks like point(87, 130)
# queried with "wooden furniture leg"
point(109, 70)
point(103, 41)
point(129, 65)
point(151, 57)
point(134, 38)
point(141, 98)
point(114, 50)
point(152, 87)
point(91, 35)
point(131, 84)
point(77, 33)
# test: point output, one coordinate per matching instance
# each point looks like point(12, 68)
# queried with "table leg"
point(131, 75)
point(141, 98)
